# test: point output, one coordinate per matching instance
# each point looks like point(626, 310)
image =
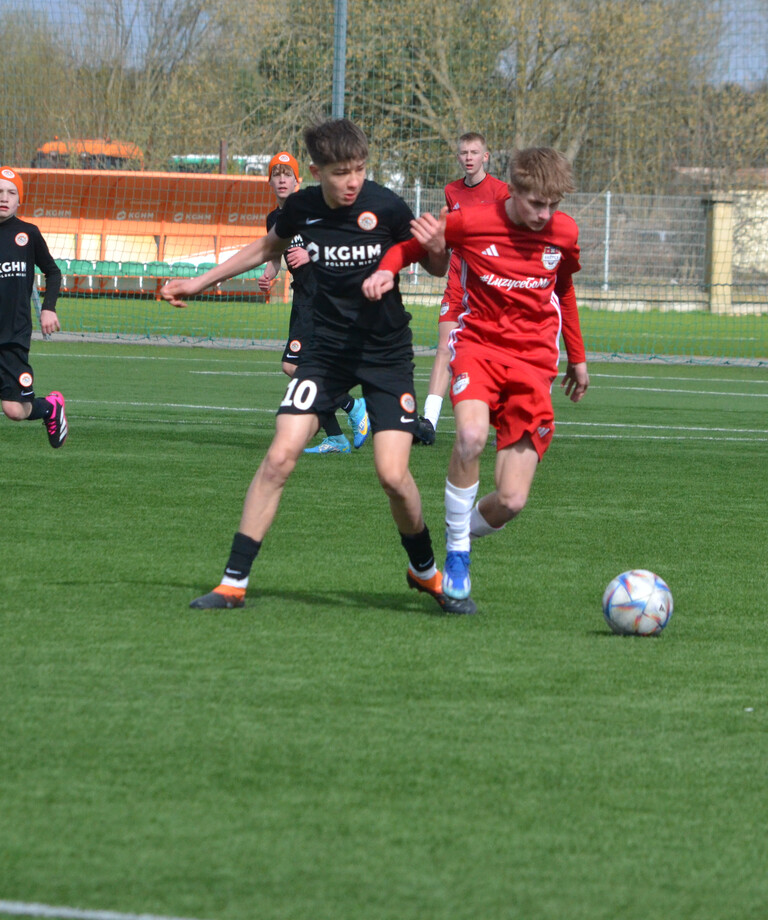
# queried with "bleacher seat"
point(156, 274)
point(66, 278)
point(131, 277)
point(245, 285)
point(106, 272)
point(183, 270)
point(82, 271)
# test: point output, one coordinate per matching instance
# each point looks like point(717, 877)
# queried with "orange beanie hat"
point(12, 176)
point(284, 159)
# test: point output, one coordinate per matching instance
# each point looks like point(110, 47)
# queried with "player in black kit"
point(349, 223)
point(284, 179)
point(22, 247)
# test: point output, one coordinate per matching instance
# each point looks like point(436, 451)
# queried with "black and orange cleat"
point(221, 598)
point(434, 587)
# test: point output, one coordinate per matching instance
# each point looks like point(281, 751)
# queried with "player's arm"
point(394, 260)
point(264, 249)
point(49, 321)
point(430, 232)
point(296, 256)
point(576, 378)
point(271, 271)
point(426, 246)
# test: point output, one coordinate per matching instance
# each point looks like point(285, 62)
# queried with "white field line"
point(659, 428)
point(25, 909)
point(760, 380)
point(616, 431)
point(271, 361)
point(206, 358)
point(688, 392)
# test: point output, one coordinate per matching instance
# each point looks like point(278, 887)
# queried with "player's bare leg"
point(391, 451)
point(16, 411)
point(440, 375)
point(516, 467)
point(391, 454)
point(292, 434)
point(472, 423)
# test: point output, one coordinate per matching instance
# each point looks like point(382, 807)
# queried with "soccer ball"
point(637, 603)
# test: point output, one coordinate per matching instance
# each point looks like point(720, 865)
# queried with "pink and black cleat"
point(56, 424)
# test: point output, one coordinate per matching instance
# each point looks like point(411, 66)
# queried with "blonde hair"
point(541, 170)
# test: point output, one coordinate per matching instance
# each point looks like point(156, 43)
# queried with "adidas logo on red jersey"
point(491, 251)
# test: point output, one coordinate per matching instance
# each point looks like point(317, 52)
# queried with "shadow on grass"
point(332, 600)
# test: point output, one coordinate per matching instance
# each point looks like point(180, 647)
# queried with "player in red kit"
point(518, 258)
point(474, 188)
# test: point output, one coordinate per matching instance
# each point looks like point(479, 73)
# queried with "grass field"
point(690, 336)
point(338, 750)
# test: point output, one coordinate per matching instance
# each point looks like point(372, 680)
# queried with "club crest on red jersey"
point(550, 258)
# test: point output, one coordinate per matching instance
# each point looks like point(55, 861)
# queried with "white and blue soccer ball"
point(637, 603)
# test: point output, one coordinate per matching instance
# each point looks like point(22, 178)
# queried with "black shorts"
point(16, 376)
point(300, 328)
point(388, 389)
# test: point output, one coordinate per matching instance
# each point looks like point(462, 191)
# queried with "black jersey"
point(302, 280)
point(22, 247)
point(345, 245)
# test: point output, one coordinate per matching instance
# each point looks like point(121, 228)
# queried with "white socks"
point(432, 406)
point(458, 506)
point(479, 527)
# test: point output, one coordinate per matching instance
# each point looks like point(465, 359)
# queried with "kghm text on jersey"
point(13, 268)
point(345, 255)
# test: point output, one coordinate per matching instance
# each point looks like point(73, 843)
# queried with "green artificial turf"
point(339, 749)
point(680, 336)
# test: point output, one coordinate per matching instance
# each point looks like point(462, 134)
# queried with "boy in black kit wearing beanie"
point(22, 247)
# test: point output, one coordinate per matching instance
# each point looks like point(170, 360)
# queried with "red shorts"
point(519, 398)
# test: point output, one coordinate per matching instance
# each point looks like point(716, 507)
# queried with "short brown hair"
point(472, 136)
point(337, 140)
point(542, 170)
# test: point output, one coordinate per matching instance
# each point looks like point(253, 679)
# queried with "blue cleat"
point(456, 583)
point(358, 419)
point(338, 444)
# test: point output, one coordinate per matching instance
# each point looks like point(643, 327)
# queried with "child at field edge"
point(520, 256)
point(348, 222)
point(284, 179)
point(22, 247)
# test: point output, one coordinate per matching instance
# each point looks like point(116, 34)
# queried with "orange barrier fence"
point(146, 217)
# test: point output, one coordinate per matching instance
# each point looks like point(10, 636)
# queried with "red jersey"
point(516, 281)
point(460, 195)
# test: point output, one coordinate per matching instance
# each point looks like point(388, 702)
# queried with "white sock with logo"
point(458, 505)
